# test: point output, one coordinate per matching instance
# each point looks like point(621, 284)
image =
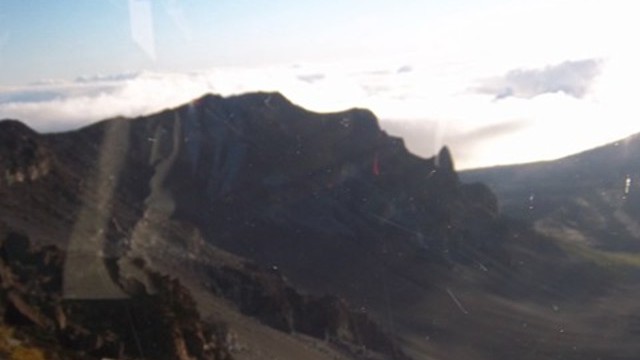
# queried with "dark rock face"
point(258, 204)
point(119, 176)
point(165, 325)
point(25, 157)
point(272, 182)
point(256, 167)
point(267, 297)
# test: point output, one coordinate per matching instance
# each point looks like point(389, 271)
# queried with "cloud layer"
point(570, 77)
point(428, 104)
point(58, 105)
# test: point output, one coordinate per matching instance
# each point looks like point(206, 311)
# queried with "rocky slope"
point(248, 227)
point(163, 326)
point(591, 199)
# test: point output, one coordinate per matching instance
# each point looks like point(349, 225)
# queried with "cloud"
point(427, 137)
point(311, 78)
point(58, 105)
point(107, 78)
point(373, 90)
point(404, 69)
point(429, 107)
point(64, 105)
point(490, 132)
point(573, 78)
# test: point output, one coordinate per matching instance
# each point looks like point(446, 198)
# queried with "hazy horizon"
point(500, 82)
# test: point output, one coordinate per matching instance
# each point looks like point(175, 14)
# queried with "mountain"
point(248, 227)
point(590, 199)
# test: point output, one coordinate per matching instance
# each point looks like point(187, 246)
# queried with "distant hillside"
point(591, 198)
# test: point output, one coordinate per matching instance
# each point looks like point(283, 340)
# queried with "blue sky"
point(66, 38)
point(488, 78)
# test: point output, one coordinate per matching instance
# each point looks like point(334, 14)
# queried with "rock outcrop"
point(163, 325)
point(24, 156)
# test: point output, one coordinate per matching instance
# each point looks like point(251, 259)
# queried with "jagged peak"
point(444, 160)
point(262, 95)
point(14, 130)
point(207, 97)
point(363, 120)
point(274, 99)
point(12, 125)
point(267, 98)
point(365, 115)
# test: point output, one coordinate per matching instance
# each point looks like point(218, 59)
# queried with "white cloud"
point(466, 144)
point(571, 77)
point(429, 106)
point(311, 78)
point(65, 105)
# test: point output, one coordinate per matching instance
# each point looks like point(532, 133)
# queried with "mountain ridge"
point(253, 205)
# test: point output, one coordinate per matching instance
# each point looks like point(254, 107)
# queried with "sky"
point(497, 81)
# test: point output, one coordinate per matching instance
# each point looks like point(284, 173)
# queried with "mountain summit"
point(248, 227)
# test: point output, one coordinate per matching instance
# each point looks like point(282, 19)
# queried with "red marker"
point(376, 165)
